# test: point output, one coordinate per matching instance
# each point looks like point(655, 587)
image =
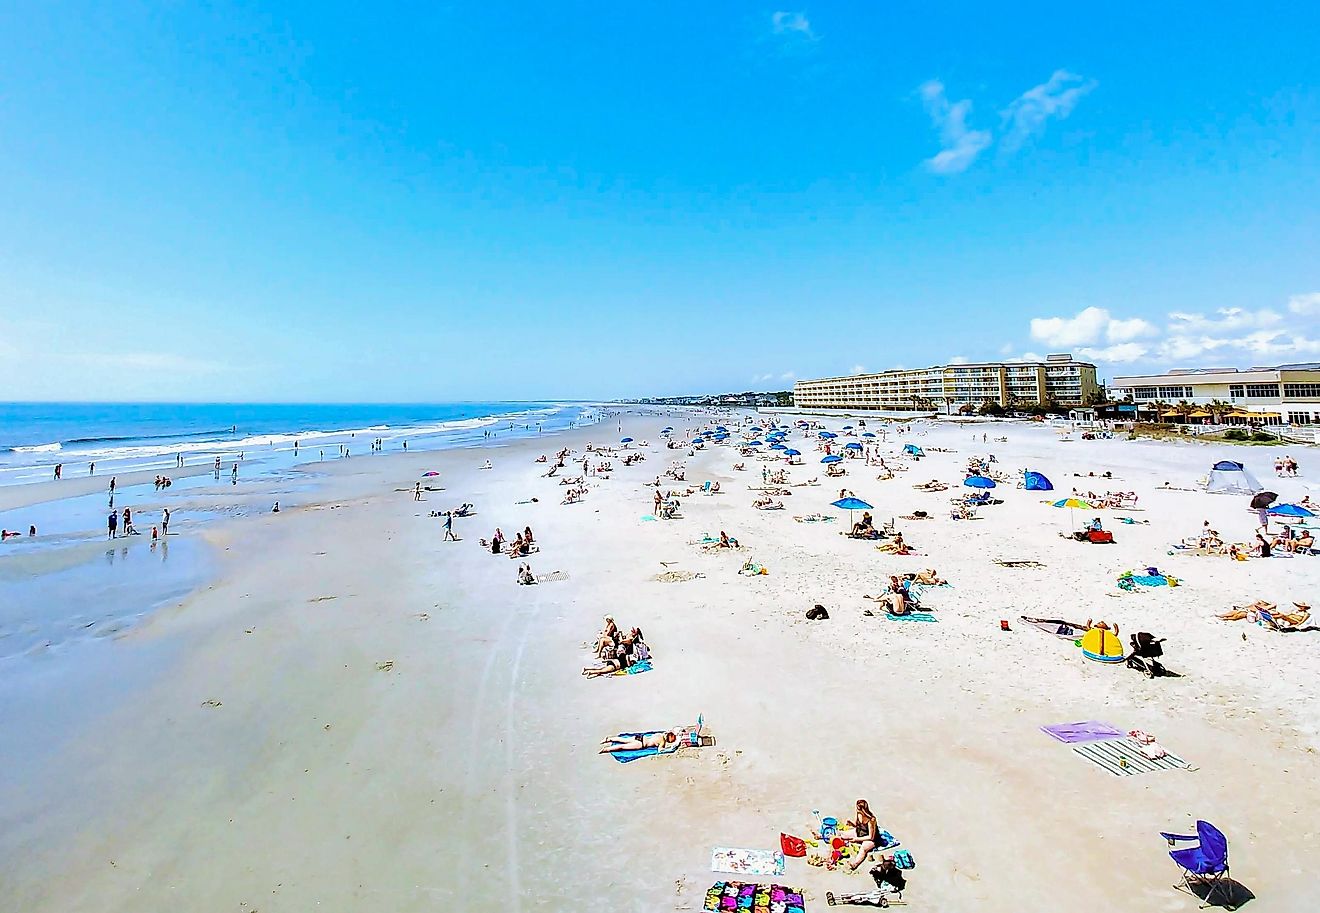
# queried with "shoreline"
point(465, 769)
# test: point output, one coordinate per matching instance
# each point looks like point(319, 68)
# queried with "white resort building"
point(1058, 379)
point(1281, 395)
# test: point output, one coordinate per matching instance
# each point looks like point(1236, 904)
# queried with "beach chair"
point(705, 488)
point(1099, 536)
point(1204, 866)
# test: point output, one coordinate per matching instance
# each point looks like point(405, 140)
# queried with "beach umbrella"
point(625, 440)
point(1290, 510)
point(778, 446)
point(792, 453)
point(832, 458)
point(868, 434)
point(847, 427)
point(853, 445)
point(430, 474)
point(1072, 504)
point(850, 505)
point(1263, 499)
point(720, 428)
point(979, 482)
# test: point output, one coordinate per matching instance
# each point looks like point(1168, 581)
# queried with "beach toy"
point(838, 843)
point(828, 828)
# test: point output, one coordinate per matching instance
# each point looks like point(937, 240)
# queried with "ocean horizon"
point(35, 437)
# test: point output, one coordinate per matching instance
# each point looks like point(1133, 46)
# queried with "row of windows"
point(1162, 393)
point(1308, 391)
point(1303, 418)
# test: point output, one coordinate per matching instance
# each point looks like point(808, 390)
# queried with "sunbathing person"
point(929, 578)
point(1305, 542)
point(608, 637)
point(864, 525)
point(896, 547)
point(525, 575)
point(726, 541)
point(665, 741)
point(670, 740)
point(868, 833)
point(618, 661)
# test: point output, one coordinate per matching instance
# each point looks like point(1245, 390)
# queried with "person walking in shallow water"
point(112, 524)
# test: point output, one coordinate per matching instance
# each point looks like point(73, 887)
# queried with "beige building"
point(1059, 379)
point(1281, 395)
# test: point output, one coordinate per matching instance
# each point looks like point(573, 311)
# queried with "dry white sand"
point(401, 727)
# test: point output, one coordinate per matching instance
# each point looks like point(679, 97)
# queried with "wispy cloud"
point(1029, 113)
point(961, 145)
point(1024, 118)
point(858, 369)
point(788, 375)
point(792, 25)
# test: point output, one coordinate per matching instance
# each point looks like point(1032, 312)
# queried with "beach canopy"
point(1290, 510)
point(828, 434)
point(427, 475)
point(752, 444)
point(778, 446)
point(625, 440)
point(913, 449)
point(852, 445)
point(1103, 646)
point(979, 482)
point(1231, 478)
point(851, 504)
point(832, 458)
point(791, 452)
point(868, 434)
point(1034, 481)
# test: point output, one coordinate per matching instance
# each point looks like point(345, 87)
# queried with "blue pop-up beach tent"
point(914, 450)
point(1037, 482)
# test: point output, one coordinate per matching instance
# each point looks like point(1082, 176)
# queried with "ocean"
point(123, 437)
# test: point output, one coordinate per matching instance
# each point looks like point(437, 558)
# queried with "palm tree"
point(1218, 408)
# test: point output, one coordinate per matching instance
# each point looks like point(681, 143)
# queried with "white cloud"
point(1121, 353)
point(858, 369)
point(1307, 305)
point(788, 375)
point(1224, 320)
point(959, 360)
point(792, 24)
point(1089, 326)
point(1029, 113)
point(761, 378)
point(961, 145)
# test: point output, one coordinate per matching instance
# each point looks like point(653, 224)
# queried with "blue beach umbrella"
point(778, 446)
point(847, 427)
point(752, 444)
point(792, 453)
point(867, 434)
point(852, 445)
point(1290, 510)
point(832, 458)
point(625, 440)
point(828, 434)
point(850, 505)
point(979, 482)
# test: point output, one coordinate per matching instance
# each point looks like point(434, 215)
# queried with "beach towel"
point(1085, 731)
point(760, 898)
point(912, 616)
point(1124, 758)
point(746, 861)
point(1059, 628)
point(635, 668)
point(648, 518)
point(552, 577)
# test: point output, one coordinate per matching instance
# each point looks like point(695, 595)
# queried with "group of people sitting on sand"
point(768, 503)
point(901, 596)
point(865, 528)
point(163, 482)
point(895, 546)
point(616, 650)
point(522, 545)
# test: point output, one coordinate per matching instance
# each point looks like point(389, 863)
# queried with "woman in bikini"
point(868, 833)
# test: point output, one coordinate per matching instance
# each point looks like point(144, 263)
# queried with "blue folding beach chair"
point(1204, 866)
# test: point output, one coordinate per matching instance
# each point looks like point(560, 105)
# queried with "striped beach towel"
point(1123, 758)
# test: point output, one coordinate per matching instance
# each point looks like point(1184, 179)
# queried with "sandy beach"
point(355, 714)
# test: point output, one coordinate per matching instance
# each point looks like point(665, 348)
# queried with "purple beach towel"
point(1085, 731)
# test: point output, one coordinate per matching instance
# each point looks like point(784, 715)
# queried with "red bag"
point(792, 846)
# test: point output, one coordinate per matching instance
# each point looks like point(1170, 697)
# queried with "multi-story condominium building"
point(1284, 394)
point(1058, 379)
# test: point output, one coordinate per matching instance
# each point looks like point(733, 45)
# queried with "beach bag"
point(903, 859)
point(792, 846)
point(817, 614)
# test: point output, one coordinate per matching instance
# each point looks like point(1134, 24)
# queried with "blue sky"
point(384, 201)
